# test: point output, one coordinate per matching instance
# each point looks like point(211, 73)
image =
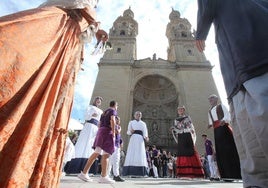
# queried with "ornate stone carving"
point(155, 96)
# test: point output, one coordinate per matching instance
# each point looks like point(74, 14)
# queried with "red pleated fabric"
point(189, 166)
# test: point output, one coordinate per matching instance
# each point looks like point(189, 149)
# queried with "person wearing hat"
point(188, 161)
point(226, 151)
point(83, 146)
point(210, 153)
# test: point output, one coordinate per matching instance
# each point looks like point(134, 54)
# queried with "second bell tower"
point(123, 38)
point(181, 40)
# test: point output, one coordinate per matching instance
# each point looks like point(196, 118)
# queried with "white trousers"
point(249, 110)
point(155, 170)
point(212, 167)
point(114, 162)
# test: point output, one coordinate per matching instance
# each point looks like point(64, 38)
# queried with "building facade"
point(156, 87)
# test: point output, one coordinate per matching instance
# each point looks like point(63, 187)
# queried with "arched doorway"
point(156, 97)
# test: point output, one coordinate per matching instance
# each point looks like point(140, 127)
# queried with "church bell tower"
point(181, 40)
point(123, 38)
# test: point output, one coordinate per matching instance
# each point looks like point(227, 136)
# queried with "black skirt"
point(226, 153)
point(185, 145)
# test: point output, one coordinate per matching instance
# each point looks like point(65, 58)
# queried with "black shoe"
point(228, 180)
point(214, 179)
point(118, 178)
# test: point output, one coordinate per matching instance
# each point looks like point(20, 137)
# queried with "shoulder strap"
point(211, 115)
point(219, 112)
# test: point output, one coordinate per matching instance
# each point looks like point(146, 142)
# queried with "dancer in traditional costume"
point(83, 146)
point(188, 159)
point(136, 162)
point(226, 152)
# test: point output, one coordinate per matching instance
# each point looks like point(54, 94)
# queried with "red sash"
point(216, 124)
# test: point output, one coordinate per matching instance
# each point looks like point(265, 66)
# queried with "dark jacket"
point(241, 29)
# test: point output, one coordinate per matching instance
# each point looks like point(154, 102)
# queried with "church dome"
point(174, 15)
point(128, 13)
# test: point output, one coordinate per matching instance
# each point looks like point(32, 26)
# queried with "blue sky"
point(151, 15)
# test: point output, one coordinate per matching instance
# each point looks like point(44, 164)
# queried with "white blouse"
point(226, 114)
point(137, 125)
point(93, 110)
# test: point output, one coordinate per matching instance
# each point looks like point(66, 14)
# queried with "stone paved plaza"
point(71, 181)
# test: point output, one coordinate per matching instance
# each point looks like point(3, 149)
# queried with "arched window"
point(182, 26)
point(122, 32)
point(183, 34)
point(190, 52)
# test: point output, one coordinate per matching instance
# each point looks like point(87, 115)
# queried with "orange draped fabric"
point(39, 59)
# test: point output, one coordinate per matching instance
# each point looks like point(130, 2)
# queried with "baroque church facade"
point(156, 87)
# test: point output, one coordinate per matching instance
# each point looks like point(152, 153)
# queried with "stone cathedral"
point(156, 87)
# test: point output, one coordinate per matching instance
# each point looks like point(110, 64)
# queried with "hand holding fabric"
point(200, 44)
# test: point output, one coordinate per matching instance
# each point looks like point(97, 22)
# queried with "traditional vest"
point(220, 115)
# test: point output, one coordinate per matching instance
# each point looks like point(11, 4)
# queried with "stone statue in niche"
point(155, 126)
